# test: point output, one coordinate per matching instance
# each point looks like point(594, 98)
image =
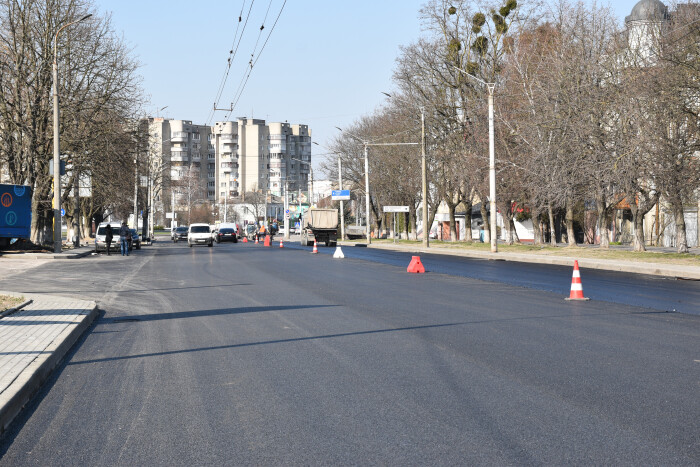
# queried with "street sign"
point(340, 195)
point(287, 212)
point(396, 209)
point(63, 212)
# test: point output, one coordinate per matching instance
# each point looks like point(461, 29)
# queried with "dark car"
point(226, 235)
point(180, 233)
point(135, 240)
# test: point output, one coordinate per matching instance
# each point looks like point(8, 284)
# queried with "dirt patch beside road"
point(7, 301)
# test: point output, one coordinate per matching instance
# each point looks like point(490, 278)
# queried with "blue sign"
point(340, 195)
point(15, 211)
point(63, 212)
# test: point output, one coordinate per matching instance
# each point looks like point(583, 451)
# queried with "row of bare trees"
point(584, 121)
point(100, 97)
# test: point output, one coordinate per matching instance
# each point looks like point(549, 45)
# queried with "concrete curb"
point(35, 375)
point(9, 311)
point(658, 269)
point(69, 254)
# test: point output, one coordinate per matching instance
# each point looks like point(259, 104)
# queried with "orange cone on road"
point(415, 265)
point(315, 250)
point(576, 286)
point(245, 240)
point(281, 243)
point(267, 240)
point(256, 239)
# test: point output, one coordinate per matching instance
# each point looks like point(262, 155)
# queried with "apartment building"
point(228, 159)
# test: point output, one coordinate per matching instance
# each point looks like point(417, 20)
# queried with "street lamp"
point(424, 176)
point(492, 161)
point(365, 143)
point(56, 146)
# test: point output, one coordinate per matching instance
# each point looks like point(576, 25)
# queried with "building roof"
point(648, 10)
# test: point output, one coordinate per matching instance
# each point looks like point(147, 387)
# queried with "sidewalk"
point(65, 253)
point(637, 267)
point(33, 341)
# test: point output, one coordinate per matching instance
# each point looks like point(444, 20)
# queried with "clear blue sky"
point(325, 64)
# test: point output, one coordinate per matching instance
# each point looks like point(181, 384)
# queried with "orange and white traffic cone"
point(281, 243)
point(256, 239)
point(576, 286)
point(315, 250)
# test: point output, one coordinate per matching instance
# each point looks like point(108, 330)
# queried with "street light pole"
point(369, 237)
point(342, 206)
point(492, 162)
point(57, 145)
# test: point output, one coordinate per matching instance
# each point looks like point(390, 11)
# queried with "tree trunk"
point(468, 222)
point(570, 236)
point(602, 223)
point(638, 220)
point(453, 222)
point(679, 220)
point(486, 224)
point(536, 227)
point(552, 229)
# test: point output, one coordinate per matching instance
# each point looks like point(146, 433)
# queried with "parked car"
point(251, 231)
point(135, 240)
point(100, 244)
point(199, 234)
point(226, 234)
point(179, 233)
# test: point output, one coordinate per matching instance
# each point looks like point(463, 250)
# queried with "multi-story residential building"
point(228, 159)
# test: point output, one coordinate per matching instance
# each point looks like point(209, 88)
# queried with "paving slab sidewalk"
point(33, 341)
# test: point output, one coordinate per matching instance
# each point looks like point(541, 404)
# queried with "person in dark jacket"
point(124, 238)
point(109, 235)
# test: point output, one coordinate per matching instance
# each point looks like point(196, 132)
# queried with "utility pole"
point(342, 207)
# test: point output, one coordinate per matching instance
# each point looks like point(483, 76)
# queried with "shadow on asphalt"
point(201, 313)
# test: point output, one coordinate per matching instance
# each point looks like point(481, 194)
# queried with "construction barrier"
point(415, 265)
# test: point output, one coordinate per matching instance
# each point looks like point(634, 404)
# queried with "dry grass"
point(7, 301)
point(614, 253)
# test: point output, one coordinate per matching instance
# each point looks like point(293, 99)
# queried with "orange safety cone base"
point(415, 265)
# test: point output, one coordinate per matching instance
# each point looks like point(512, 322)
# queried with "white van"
point(100, 243)
point(199, 234)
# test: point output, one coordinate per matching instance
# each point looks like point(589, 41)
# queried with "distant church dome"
point(648, 10)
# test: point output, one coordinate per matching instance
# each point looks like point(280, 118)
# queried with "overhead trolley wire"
point(252, 62)
point(232, 55)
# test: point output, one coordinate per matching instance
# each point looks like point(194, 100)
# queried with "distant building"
point(228, 159)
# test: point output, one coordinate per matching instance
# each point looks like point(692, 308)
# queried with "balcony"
point(226, 167)
point(179, 137)
point(196, 157)
point(229, 138)
point(178, 156)
point(211, 176)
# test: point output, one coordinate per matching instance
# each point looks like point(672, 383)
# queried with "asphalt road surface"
point(240, 354)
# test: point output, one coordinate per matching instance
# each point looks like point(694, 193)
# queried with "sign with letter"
point(340, 195)
point(396, 209)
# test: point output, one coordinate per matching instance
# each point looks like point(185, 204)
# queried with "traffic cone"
point(315, 250)
point(245, 240)
point(576, 286)
point(415, 265)
point(281, 243)
point(338, 253)
point(256, 239)
point(267, 240)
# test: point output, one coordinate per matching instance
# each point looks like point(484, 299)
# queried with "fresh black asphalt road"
point(241, 354)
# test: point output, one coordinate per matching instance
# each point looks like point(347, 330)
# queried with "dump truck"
point(15, 213)
point(355, 232)
point(320, 225)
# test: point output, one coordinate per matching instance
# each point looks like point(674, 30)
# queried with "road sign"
point(340, 195)
point(396, 209)
point(287, 212)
